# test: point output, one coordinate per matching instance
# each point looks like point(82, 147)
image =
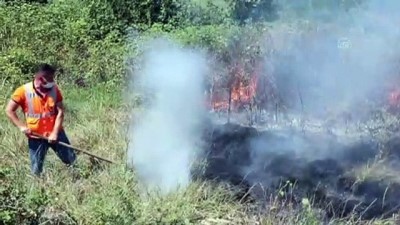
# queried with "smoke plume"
point(329, 59)
point(334, 55)
point(164, 136)
point(326, 61)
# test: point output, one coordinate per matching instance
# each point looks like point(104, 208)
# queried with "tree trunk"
point(229, 103)
point(212, 95)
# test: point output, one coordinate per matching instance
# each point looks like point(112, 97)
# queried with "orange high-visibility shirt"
point(40, 111)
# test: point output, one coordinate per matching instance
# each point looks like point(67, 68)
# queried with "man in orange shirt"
point(41, 102)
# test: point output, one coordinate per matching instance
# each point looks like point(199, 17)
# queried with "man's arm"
point(11, 109)
point(59, 119)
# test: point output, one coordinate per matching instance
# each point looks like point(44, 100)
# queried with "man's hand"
point(25, 130)
point(53, 137)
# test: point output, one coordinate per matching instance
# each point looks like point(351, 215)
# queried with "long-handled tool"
point(75, 148)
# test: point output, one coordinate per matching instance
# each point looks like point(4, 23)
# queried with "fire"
point(241, 94)
point(394, 98)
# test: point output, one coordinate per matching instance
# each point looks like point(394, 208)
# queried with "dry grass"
point(91, 194)
point(110, 194)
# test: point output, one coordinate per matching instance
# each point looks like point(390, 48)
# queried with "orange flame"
point(394, 98)
point(241, 94)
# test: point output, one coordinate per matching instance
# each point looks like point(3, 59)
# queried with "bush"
point(87, 39)
point(61, 33)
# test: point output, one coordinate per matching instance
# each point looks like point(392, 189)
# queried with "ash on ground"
point(303, 160)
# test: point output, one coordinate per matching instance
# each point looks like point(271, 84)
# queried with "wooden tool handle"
point(75, 148)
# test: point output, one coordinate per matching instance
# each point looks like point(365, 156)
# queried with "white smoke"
point(333, 64)
point(163, 139)
point(335, 58)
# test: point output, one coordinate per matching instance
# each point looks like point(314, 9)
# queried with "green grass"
point(110, 194)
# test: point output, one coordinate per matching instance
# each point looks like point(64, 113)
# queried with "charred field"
point(342, 172)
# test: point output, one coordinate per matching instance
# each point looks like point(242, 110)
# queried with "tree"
point(253, 10)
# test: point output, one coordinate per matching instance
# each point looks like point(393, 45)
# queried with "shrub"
point(64, 33)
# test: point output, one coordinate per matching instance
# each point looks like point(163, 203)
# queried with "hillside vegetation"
point(94, 44)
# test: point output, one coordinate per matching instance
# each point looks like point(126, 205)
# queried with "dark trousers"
point(38, 150)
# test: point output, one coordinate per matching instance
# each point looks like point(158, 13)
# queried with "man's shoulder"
point(59, 93)
point(19, 94)
point(58, 89)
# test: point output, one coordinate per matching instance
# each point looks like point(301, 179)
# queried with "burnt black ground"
point(315, 164)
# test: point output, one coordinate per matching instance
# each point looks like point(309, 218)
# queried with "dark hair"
point(45, 68)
